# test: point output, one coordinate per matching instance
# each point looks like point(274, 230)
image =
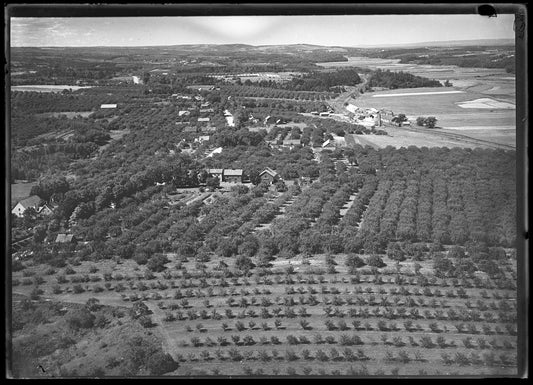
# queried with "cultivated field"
point(390, 321)
point(444, 106)
point(46, 88)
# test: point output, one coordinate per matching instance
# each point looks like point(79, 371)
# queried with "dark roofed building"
point(232, 176)
point(269, 175)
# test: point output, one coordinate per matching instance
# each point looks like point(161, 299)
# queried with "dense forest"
point(394, 80)
point(315, 81)
point(473, 56)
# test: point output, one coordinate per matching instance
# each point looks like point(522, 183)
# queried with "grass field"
point(20, 191)
point(46, 88)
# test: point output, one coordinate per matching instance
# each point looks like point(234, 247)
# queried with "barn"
point(232, 176)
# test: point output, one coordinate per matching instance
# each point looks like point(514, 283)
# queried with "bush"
point(376, 261)
point(161, 363)
point(81, 319)
point(145, 321)
point(157, 263)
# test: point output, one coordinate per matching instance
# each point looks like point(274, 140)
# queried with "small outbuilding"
point(65, 238)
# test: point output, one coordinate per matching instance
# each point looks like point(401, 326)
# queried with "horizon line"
point(268, 45)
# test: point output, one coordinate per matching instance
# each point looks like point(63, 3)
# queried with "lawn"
point(20, 191)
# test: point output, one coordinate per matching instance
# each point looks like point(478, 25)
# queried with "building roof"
point(328, 143)
point(45, 207)
point(108, 106)
point(237, 172)
point(64, 238)
point(291, 141)
point(203, 119)
point(269, 171)
point(215, 171)
point(32, 201)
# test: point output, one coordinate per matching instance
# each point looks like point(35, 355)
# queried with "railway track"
point(458, 137)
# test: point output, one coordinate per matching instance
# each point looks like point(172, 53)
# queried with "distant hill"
point(450, 43)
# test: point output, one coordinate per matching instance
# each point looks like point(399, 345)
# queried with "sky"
point(348, 31)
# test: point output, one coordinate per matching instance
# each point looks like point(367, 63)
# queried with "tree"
point(420, 121)
point(157, 263)
point(281, 186)
point(395, 252)
point(430, 122)
point(399, 119)
point(139, 309)
point(443, 266)
point(375, 260)
point(353, 261)
point(244, 263)
point(212, 183)
point(81, 319)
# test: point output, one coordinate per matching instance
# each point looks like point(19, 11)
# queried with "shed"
point(108, 106)
point(65, 238)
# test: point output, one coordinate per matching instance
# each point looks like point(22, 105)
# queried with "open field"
point(481, 78)
point(404, 138)
point(46, 88)
point(416, 94)
point(445, 107)
point(68, 114)
point(462, 137)
point(20, 191)
point(487, 103)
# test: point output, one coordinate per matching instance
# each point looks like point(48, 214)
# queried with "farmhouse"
point(291, 143)
point(45, 210)
point(202, 138)
point(268, 175)
point(65, 238)
point(204, 120)
point(108, 106)
point(216, 172)
point(184, 113)
point(32, 201)
point(232, 176)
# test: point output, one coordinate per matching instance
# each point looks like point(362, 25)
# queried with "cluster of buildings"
point(33, 202)
point(370, 117)
point(237, 175)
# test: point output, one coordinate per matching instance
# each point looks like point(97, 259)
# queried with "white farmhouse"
point(32, 201)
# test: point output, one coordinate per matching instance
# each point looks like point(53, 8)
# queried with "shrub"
point(161, 363)
point(376, 261)
point(145, 321)
point(81, 319)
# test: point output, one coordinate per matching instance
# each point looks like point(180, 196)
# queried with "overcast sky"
point(350, 31)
